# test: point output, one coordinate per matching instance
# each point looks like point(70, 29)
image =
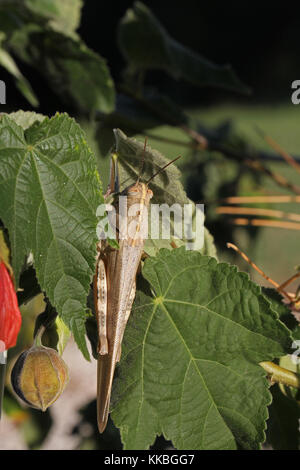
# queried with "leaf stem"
point(280, 375)
point(287, 157)
point(261, 199)
point(38, 336)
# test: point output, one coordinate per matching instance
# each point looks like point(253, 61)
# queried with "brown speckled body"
point(120, 267)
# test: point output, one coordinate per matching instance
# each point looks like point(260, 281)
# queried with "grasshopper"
point(115, 285)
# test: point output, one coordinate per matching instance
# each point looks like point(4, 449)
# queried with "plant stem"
point(288, 158)
point(38, 336)
point(252, 159)
point(200, 139)
point(280, 375)
point(290, 280)
point(255, 211)
point(266, 223)
point(261, 199)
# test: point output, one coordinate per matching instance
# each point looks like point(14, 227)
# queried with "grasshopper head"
point(139, 192)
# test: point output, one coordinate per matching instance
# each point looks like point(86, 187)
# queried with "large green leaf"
point(73, 70)
point(166, 186)
point(189, 366)
point(49, 192)
point(146, 45)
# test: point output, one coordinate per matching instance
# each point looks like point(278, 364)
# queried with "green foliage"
point(190, 356)
point(163, 52)
point(42, 34)
point(166, 186)
point(7, 61)
point(282, 310)
point(26, 119)
point(50, 191)
point(283, 422)
point(61, 16)
point(198, 330)
point(78, 74)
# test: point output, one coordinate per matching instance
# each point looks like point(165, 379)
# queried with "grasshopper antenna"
point(142, 160)
point(162, 169)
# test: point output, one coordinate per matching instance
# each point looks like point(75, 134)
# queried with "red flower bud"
point(10, 316)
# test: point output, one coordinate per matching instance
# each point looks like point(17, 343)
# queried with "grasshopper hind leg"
point(106, 366)
point(127, 315)
point(101, 306)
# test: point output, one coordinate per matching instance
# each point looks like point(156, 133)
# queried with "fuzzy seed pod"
point(39, 376)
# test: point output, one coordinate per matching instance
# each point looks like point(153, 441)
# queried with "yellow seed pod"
point(39, 376)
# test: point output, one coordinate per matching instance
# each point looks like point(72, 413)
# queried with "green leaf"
point(283, 311)
point(209, 248)
point(55, 14)
point(26, 119)
point(276, 301)
point(283, 423)
point(49, 192)
point(152, 247)
point(73, 70)
point(190, 358)
point(166, 186)
point(145, 44)
point(7, 61)
point(62, 16)
point(135, 115)
point(296, 332)
point(43, 8)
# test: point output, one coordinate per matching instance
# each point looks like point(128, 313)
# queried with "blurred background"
point(260, 41)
